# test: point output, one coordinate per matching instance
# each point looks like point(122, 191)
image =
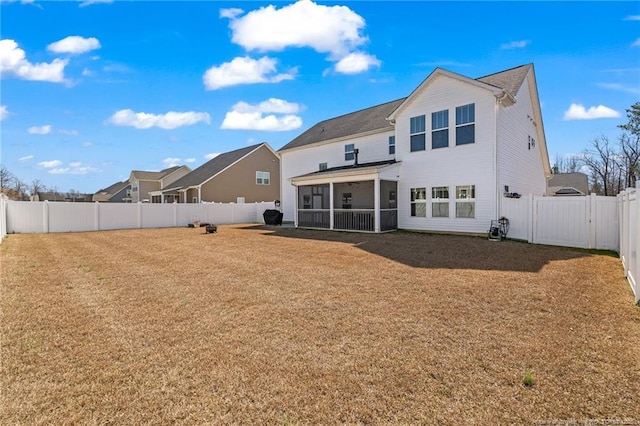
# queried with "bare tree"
point(630, 145)
point(602, 161)
point(37, 186)
point(566, 164)
point(6, 179)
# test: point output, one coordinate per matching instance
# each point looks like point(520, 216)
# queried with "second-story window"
point(392, 144)
point(465, 124)
point(263, 178)
point(322, 166)
point(440, 129)
point(348, 152)
point(417, 132)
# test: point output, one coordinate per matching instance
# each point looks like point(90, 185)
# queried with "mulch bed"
point(265, 325)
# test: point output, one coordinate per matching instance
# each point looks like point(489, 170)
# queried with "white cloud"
point(212, 155)
point(74, 45)
point(26, 158)
point(620, 87)
point(170, 120)
point(68, 132)
point(91, 2)
point(579, 112)
point(41, 130)
point(230, 13)
point(515, 44)
point(356, 62)
point(73, 168)
point(171, 162)
point(244, 116)
point(13, 62)
point(50, 164)
point(632, 18)
point(636, 43)
point(189, 160)
point(244, 70)
point(326, 29)
point(4, 112)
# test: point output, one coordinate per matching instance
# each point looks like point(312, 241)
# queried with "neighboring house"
point(441, 159)
point(116, 193)
point(250, 175)
point(143, 183)
point(568, 184)
point(69, 197)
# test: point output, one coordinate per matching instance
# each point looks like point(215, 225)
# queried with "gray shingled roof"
point(144, 175)
point(375, 118)
point(114, 189)
point(211, 168)
point(366, 120)
point(509, 80)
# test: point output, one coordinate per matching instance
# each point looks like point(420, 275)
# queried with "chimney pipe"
point(355, 155)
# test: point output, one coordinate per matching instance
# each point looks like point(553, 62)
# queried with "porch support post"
point(376, 204)
point(331, 205)
point(295, 205)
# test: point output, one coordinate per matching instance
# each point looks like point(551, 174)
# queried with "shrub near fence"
point(45, 217)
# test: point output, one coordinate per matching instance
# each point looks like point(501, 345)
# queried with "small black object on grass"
point(211, 229)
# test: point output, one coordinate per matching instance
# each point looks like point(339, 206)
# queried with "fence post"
point(531, 219)
point(636, 290)
point(139, 214)
point(592, 220)
point(175, 214)
point(96, 216)
point(45, 216)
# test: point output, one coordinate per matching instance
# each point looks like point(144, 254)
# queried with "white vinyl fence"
point(629, 217)
point(3, 217)
point(585, 222)
point(44, 217)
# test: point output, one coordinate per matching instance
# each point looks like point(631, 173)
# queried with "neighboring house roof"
point(568, 184)
point(376, 118)
point(213, 167)
point(110, 191)
point(363, 121)
point(144, 175)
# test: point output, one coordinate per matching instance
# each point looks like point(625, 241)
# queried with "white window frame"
point(263, 178)
point(349, 153)
point(322, 166)
point(463, 120)
point(418, 200)
point(416, 130)
point(440, 124)
point(438, 199)
point(392, 145)
point(466, 196)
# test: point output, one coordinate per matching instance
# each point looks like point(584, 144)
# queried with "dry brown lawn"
point(257, 325)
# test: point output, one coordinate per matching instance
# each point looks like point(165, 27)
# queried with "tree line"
point(612, 166)
point(16, 189)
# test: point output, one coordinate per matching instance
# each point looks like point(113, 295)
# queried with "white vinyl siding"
point(519, 163)
point(304, 160)
point(471, 164)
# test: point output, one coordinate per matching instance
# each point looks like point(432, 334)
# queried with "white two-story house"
point(441, 159)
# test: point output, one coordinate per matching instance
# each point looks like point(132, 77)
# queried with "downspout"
point(199, 193)
point(495, 152)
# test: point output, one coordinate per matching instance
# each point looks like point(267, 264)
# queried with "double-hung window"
point(417, 132)
point(440, 201)
point(466, 201)
point(419, 202)
point(465, 124)
point(322, 166)
point(392, 144)
point(263, 178)
point(440, 129)
point(349, 155)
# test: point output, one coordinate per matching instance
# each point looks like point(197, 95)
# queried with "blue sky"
point(91, 90)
